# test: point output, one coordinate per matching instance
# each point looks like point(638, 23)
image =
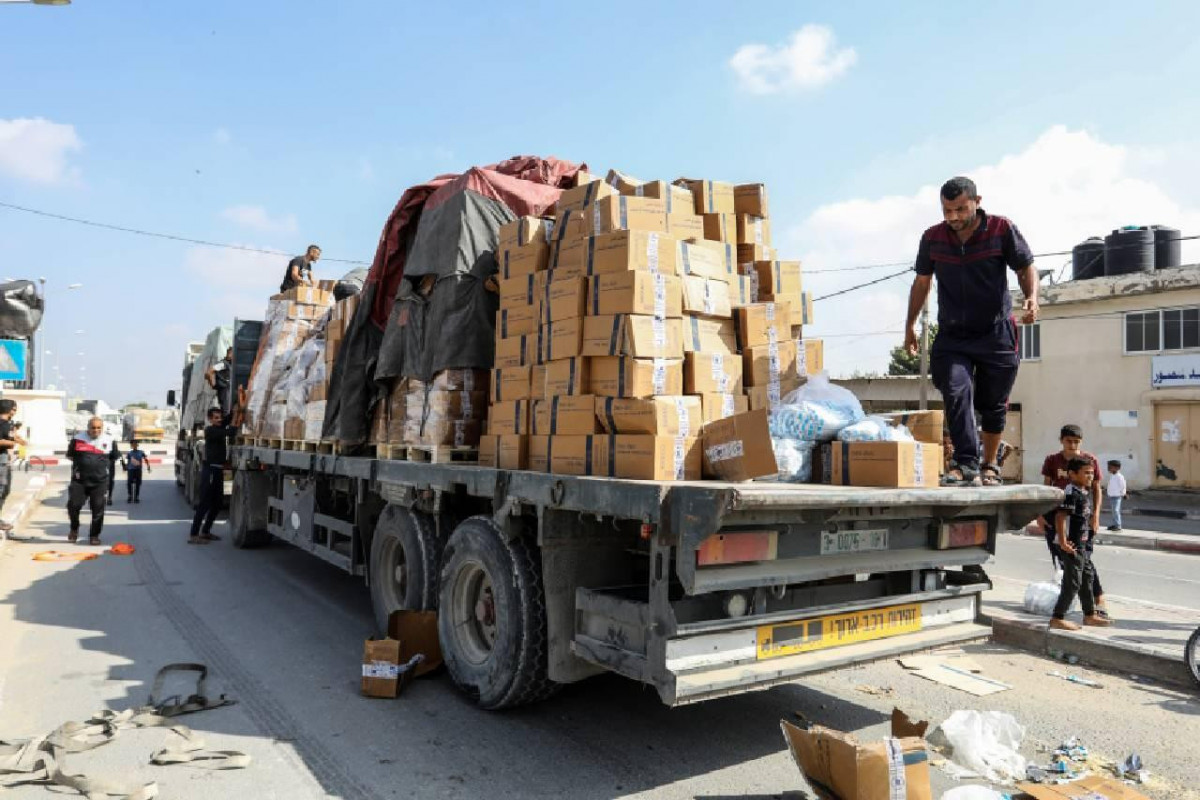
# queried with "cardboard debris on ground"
point(1093, 787)
point(957, 672)
point(417, 632)
point(381, 668)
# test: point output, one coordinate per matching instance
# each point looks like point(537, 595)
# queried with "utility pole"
point(924, 355)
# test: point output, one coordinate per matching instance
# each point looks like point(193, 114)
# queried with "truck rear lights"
point(971, 533)
point(738, 547)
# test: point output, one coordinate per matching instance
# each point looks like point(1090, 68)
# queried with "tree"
point(904, 364)
point(139, 404)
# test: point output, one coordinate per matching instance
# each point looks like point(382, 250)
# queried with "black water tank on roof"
point(1087, 259)
point(1168, 250)
point(1129, 250)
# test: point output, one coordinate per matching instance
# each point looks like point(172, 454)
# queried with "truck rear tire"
point(404, 563)
point(492, 617)
point(247, 510)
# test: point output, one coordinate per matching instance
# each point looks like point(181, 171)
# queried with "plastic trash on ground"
point(815, 412)
point(972, 793)
point(1042, 596)
point(875, 429)
point(985, 743)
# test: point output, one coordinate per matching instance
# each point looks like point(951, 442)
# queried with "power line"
point(169, 236)
point(863, 285)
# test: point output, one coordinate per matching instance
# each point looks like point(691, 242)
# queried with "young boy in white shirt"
point(1116, 492)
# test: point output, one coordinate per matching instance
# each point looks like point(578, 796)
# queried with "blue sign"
point(14, 359)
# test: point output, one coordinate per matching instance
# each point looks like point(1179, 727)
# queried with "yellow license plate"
point(836, 630)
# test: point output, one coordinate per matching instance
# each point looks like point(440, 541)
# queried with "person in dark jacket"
point(92, 454)
point(135, 461)
point(217, 433)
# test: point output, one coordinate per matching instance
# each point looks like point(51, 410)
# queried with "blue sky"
point(272, 124)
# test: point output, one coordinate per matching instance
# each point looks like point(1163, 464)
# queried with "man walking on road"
point(217, 434)
point(8, 440)
point(975, 355)
point(299, 269)
point(92, 452)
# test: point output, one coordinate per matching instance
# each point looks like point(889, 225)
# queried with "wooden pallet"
point(442, 454)
point(300, 445)
point(269, 442)
point(392, 452)
point(326, 446)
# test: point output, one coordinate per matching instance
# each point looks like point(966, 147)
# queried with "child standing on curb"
point(1073, 528)
point(1116, 491)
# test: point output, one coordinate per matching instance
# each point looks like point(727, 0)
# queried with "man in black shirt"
point(299, 269)
point(217, 434)
point(8, 439)
point(219, 376)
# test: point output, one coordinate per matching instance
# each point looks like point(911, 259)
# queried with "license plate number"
point(835, 630)
point(853, 541)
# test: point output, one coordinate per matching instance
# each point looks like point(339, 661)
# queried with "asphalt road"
point(283, 632)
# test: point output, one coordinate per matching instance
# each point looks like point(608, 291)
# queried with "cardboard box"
point(525, 260)
point(743, 291)
point(381, 668)
point(525, 231)
point(678, 199)
point(570, 224)
point(565, 376)
point(624, 184)
point(650, 458)
point(925, 426)
point(523, 290)
point(770, 396)
point(685, 225)
point(443, 431)
point(454, 380)
point(620, 251)
point(537, 380)
point(751, 198)
point(448, 404)
point(504, 452)
point(719, 406)
point(892, 464)
point(702, 335)
point(625, 214)
point(895, 769)
point(564, 298)
point(648, 293)
point(583, 196)
point(738, 448)
point(1091, 787)
point(308, 296)
point(657, 416)
point(720, 227)
point(713, 197)
point(634, 377)
point(516, 321)
point(753, 230)
point(712, 373)
point(561, 339)
point(749, 253)
point(810, 357)
point(705, 259)
point(762, 323)
point(516, 351)
point(539, 450)
point(417, 632)
point(632, 335)
point(769, 362)
point(569, 455)
point(706, 297)
point(779, 280)
point(565, 415)
point(512, 383)
point(509, 418)
point(802, 314)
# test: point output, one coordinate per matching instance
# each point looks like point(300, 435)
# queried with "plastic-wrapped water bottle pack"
point(874, 429)
point(794, 458)
point(815, 412)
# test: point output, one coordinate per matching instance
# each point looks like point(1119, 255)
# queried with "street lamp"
point(35, 373)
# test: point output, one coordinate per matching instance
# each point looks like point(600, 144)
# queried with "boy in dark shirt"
point(135, 462)
point(1073, 528)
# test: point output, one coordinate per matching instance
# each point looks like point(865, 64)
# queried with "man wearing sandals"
point(975, 355)
point(91, 453)
point(217, 434)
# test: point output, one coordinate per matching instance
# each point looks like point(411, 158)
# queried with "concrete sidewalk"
point(28, 489)
point(1146, 639)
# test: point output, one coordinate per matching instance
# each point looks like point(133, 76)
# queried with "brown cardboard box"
point(701, 335)
point(639, 292)
point(516, 351)
point(619, 251)
point(651, 458)
point(658, 416)
point(925, 426)
point(893, 464)
point(751, 198)
point(707, 259)
point(417, 632)
point(318, 392)
point(625, 214)
point(720, 227)
point(564, 298)
point(755, 323)
point(443, 431)
point(706, 297)
point(512, 383)
point(539, 449)
point(770, 396)
point(678, 199)
point(516, 321)
point(448, 404)
point(523, 290)
point(719, 406)
point(581, 197)
point(634, 377)
point(749, 253)
point(743, 290)
point(713, 197)
point(1090, 787)
point(569, 455)
point(308, 295)
point(565, 376)
point(810, 357)
point(504, 452)
point(779, 280)
point(753, 230)
point(381, 668)
point(738, 448)
point(569, 225)
point(632, 335)
point(802, 314)
point(685, 225)
point(524, 260)
point(525, 231)
point(624, 184)
point(769, 362)
point(712, 373)
point(487, 449)
point(562, 339)
point(565, 415)
point(455, 380)
point(848, 770)
point(537, 381)
point(509, 418)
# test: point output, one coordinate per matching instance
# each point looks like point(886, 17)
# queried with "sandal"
point(960, 475)
point(94, 541)
point(73, 537)
point(210, 537)
point(989, 475)
point(196, 540)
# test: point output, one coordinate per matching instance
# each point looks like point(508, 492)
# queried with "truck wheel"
point(404, 563)
point(492, 617)
point(247, 510)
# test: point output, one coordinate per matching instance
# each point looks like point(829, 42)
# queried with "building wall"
point(1085, 378)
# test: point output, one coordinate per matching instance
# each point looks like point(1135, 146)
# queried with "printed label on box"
point(726, 451)
point(380, 669)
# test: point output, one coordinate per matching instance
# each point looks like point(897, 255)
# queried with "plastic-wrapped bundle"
point(815, 412)
point(874, 429)
point(795, 460)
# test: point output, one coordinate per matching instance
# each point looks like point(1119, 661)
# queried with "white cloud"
point(37, 150)
point(809, 60)
point(222, 136)
point(1065, 186)
point(240, 281)
point(257, 218)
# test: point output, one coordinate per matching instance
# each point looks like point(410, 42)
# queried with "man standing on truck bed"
point(299, 269)
point(219, 376)
point(217, 434)
point(92, 454)
point(975, 355)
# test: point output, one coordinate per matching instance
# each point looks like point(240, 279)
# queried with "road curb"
point(22, 511)
point(1139, 542)
point(1127, 657)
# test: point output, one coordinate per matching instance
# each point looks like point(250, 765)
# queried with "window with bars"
point(1162, 331)
point(1031, 342)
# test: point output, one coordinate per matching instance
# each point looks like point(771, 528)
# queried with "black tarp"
point(20, 309)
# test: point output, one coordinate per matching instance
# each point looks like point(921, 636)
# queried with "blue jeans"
point(1115, 507)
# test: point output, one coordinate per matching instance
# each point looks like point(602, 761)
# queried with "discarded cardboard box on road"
point(1093, 787)
point(381, 668)
point(417, 632)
